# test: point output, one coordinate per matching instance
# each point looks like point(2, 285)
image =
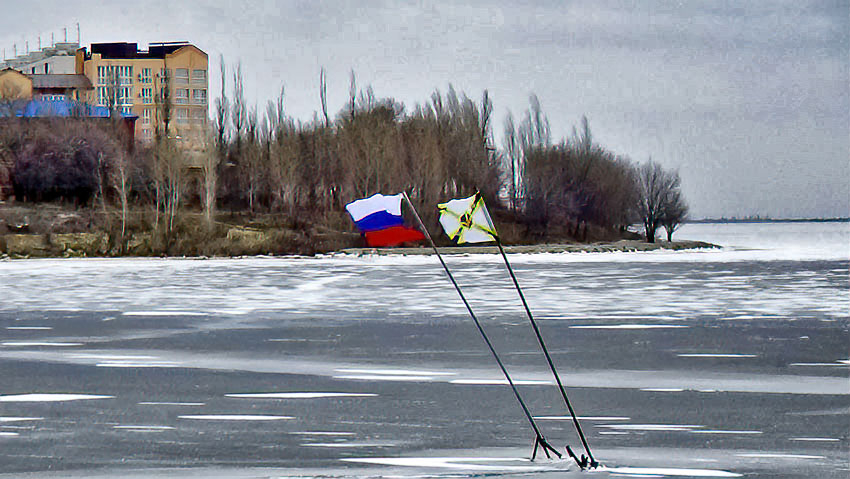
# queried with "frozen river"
point(729, 363)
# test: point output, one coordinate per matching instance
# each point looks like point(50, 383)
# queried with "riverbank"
point(598, 247)
point(82, 245)
point(61, 231)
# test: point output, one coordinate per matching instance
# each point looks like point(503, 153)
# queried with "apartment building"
point(136, 81)
point(59, 58)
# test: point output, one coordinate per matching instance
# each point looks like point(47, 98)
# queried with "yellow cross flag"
point(467, 221)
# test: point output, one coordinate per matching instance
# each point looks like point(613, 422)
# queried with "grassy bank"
point(61, 230)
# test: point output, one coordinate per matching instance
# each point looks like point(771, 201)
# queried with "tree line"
point(255, 161)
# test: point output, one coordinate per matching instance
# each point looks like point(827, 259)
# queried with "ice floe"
point(143, 427)
point(628, 326)
point(298, 395)
point(50, 397)
point(464, 463)
point(721, 431)
point(130, 364)
point(19, 419)
point(765, 455)
point(716, 355)
point(583, 418)
point(488, 382)
point(651, 427)
point(341, 445)
point(235, 417)
point(166, 403)
point(669, 471)
point(29, 328)
point(404, 372)
point(815, 439)
point(381, 377)
point(39, 343)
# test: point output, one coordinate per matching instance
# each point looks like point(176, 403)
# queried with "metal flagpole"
point(539, 440)
point(583, 463)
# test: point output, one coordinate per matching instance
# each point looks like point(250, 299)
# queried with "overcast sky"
point(750, 100)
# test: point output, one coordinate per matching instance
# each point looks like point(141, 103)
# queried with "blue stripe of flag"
point(378, 220)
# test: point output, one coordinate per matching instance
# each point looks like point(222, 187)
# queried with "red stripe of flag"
point(393, 236)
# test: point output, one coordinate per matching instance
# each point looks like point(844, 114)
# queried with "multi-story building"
point(141, 83)
point(59, 58)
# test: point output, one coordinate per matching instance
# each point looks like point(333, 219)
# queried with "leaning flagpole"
point(583, 464)
point(539, 440)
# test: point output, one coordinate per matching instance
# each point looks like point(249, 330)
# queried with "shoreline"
point(624, 246)
point(38, 251)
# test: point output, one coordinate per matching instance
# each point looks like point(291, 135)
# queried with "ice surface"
point(464, 463)
point(669, 471)
point(50, 397)
point(144, 428)
point(766, 455)
point(19, 419)
point(235, 417)
point(298, 395)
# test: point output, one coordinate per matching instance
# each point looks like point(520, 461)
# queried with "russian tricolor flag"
point(379, 219)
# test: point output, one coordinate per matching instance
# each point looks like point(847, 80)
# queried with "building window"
point(46, 68)
point(182, 115)
point(181, 75)
point(199, 76)
point(101, 75)
point(165, 73)
point(126, 110)
point(199, 96)
point(147, 95)
point(146, 134)
point(102, 95)
point(181, 96)
point(146, 116)
point(125, 95)
point(125, 74)
point(145, 77)
point(199, 115)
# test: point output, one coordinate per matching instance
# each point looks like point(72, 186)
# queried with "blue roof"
point(63, 108)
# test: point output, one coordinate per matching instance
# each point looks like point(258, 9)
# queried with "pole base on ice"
point(584, 462)
point(540, 442)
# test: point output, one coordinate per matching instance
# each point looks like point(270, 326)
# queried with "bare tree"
point(120, 181)
point(655, 188)
point(209, 176)
point(512, 152)
point(239, 110)
point(222, 110)
point(674, 212)
point(323, 96)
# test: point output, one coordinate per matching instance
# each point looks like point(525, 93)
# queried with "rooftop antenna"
point(65, 32)
point(39, 42)
point(78, 33)
point(52, 42)
point(27, 43)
